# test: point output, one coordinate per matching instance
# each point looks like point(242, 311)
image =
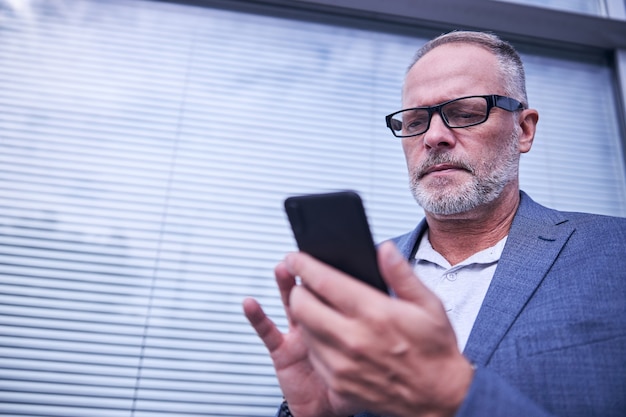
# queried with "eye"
point(396, 125)
point(466, 111)
point(465, 114)
point(416, 123)
point(413, 124)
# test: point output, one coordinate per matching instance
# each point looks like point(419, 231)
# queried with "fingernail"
point(289, 263)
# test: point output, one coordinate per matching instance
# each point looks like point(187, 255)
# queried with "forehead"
point(450, 71)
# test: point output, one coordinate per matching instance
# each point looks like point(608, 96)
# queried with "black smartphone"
point(333, 228)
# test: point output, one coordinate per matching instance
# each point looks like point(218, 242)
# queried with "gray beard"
point(484, 186)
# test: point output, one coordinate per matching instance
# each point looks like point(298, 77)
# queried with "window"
point(145, 150)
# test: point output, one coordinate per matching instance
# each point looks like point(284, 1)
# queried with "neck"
point(459, 236)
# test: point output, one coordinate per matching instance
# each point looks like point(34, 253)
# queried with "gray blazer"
point(550, 337)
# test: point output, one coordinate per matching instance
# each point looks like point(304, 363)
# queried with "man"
point(534, 298)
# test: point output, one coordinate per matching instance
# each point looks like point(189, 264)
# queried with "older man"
point(506, 308)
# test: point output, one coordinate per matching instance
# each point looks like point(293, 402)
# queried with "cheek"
point(411, 151)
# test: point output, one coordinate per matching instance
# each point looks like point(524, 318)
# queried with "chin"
point(446, 201)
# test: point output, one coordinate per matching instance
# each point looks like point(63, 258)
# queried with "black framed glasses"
point(457, 113)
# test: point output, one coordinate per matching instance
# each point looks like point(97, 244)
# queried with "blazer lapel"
point(407, 244)
point(536, 237)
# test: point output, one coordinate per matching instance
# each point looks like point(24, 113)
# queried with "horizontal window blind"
point(576, 162)
point(145, 151)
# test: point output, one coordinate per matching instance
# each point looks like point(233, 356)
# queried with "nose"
point(438, 134)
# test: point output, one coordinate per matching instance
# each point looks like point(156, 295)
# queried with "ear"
point(527, 120)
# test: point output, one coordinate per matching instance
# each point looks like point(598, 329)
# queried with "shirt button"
point(451, 276)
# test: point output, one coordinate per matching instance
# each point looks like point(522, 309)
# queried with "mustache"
point(434, 160)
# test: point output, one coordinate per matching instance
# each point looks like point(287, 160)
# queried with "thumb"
point(400, 277)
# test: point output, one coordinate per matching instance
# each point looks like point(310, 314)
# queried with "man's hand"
point(301, 385)
point(351, 348)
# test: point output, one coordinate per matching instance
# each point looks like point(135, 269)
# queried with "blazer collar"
point(536, 237)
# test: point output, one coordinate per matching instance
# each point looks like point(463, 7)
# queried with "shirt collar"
point(425, 252)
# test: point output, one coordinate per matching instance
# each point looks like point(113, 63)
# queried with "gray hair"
point(510, 64)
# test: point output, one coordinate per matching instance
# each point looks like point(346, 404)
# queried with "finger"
point(286, 282)
point(316, 317)
point(340, 291)
point(266, 329)
point(399, 275)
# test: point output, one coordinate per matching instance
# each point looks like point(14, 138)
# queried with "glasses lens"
point(466, 111)
point(410, 122)
point(395, 123)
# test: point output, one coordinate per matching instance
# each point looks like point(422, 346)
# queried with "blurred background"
point(146, 148)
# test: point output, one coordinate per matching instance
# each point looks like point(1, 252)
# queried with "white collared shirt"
point(461, 287)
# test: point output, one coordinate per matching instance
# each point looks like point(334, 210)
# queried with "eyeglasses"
point(457, 113)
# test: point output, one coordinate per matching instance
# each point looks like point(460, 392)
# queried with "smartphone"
point(333, 228)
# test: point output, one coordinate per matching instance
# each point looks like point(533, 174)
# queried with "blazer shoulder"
point(606, 233)
point(529, 209)
point(584, 230)
point(596, 220)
